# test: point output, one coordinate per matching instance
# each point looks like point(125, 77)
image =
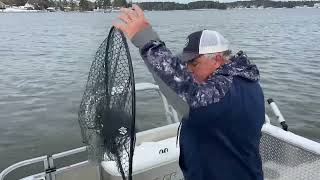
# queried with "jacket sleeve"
point(170, 69)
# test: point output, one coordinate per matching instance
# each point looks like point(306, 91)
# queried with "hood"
point(240, 66)
point(221, 80)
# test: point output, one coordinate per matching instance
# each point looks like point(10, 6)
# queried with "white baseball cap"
point(203, 42)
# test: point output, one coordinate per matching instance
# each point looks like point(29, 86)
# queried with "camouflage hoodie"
point(169, 68)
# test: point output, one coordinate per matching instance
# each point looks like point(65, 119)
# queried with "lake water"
point(45, 60)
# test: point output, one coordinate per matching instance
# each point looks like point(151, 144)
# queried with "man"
point(219, 140)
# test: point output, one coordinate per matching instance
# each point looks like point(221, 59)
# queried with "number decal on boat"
point(162, 151)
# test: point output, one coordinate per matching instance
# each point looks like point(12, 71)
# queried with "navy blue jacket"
point(219, 140)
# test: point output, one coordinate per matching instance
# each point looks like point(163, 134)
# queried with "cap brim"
point(185, 56)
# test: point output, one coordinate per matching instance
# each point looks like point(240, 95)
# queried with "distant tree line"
point(85, 5)
point(273, 4)
point(40, 4)
point(14, 2)
point(102, 4)
point(162, 6)
point(178, 6)
point(206, 5)
point(82, 5)
point(218, 5)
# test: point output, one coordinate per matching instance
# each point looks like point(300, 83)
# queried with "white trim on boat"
point(292, 138)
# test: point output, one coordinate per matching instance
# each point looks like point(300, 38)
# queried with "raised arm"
point(160, 59)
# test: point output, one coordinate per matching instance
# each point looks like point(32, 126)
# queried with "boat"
point(108, 9)
point(285, 155)
point(116, 9)
point(51, 9)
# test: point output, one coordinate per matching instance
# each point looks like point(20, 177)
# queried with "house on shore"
point(29, 6)
point(51, 9)
point(32, 5)
point(2, 5)
point(67, 9)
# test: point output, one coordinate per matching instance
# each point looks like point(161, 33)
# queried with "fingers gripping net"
point(107, 110)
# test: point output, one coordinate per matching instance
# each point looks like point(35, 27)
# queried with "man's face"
point(203, 66)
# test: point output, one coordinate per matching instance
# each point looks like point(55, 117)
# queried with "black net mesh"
point(107, 110)
point(283, 161)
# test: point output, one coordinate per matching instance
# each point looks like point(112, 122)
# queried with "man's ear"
point(219, 59)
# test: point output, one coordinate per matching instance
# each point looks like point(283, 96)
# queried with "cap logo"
point(187, 42)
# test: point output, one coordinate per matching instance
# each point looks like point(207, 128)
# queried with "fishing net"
point(285, 161)
point(107, 110)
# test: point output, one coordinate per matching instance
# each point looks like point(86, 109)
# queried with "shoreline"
point(11, 10)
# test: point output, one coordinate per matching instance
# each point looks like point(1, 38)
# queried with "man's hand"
point(133, 21)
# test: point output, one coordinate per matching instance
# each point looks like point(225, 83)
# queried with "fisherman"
point(219, 140)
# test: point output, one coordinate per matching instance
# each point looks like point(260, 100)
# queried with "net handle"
point(132, 80)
